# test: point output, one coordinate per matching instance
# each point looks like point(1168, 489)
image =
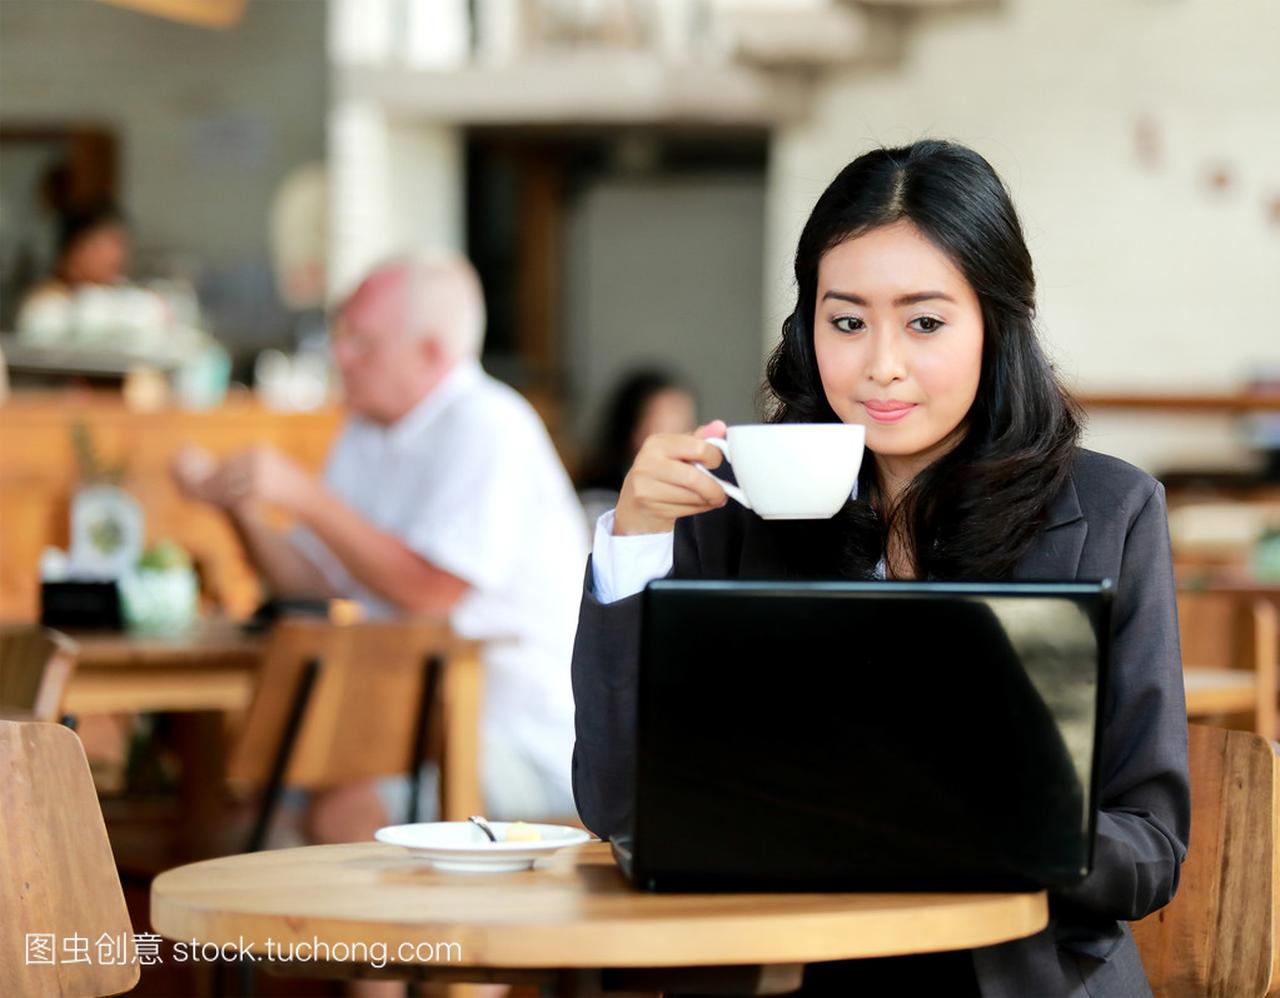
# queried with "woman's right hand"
point(663, 484)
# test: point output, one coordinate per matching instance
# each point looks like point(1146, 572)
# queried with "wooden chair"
point(1219, 936)
point(338, 704)
point(1229, 652)
point(59, 891)
point(36, 665)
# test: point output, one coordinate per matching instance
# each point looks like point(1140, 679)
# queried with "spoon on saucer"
point(483, 825)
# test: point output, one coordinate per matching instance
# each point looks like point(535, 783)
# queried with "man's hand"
point(378, 560)
point(193, 469)
point(262, 475)
point(258, 475)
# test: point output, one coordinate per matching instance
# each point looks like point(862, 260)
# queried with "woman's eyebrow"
point(912, 299)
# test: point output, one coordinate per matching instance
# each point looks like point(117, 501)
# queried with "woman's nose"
point(888, 363)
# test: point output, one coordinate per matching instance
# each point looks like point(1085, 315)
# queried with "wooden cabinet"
point(39, 473)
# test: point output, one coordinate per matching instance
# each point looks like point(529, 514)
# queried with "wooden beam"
point(914, 4)
point(1227, 403)
point(797, 39)
point(586, 88)
point(204, 13)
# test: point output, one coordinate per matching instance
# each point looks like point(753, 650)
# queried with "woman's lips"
point(888, 412)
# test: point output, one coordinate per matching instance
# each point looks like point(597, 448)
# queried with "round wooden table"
point(574, 910)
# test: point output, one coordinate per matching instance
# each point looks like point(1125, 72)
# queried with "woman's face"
point(670, 410)
point(898, 335)
point(100, 256)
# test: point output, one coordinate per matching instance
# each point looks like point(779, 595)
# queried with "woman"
point(93, 249)
point(914, 318)
point(93, 253)
point(643, 403)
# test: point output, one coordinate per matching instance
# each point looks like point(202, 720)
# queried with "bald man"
point(443, 494)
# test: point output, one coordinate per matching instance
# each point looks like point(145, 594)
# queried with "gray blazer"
point(1108, 521)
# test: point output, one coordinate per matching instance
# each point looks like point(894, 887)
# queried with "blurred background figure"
point(644, 402)
point(299, 240)
point(88, 299)
point(92, 252)
point(443, 494)
point(300, 237)
point(93, 248)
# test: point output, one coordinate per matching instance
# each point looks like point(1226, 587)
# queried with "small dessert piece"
point(520, 831)
point(344, 612)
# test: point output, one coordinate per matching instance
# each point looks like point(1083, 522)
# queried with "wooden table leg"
point(463, 696)
point(201, 743)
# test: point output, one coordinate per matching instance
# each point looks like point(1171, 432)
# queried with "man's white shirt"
point(469, 480)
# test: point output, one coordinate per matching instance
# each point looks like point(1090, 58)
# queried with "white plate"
point(460, 847)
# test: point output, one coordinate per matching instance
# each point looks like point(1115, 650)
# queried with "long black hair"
point(973, 512)
point(75, 225)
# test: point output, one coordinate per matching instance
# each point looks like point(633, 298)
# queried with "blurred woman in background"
point(93, 248)
point(644, 402)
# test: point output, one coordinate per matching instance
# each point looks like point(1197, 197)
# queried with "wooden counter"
point(38, 474)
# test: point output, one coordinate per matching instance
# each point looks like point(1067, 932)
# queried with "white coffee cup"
point(792, 471)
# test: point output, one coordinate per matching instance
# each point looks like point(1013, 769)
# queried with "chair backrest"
point(1217, 629)
point(1232, 635)
point(361, 716)
point(59, 890)
point(1219, 935)
point(35, 667)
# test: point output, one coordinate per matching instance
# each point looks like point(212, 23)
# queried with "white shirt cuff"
point(623, 566)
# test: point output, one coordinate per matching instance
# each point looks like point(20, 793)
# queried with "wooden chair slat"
point(360, 722)
point(57, 873)
point(1230, 648)
point(36, 665)
point(1219, 935)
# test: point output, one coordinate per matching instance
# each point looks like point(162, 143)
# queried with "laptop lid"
point(867, 735)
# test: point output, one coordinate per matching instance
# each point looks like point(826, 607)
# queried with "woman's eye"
point(927, 324)
point(847, 323)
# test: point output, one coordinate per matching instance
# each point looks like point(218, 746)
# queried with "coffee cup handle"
point(731, 490)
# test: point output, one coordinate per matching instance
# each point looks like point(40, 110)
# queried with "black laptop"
point(867, 736)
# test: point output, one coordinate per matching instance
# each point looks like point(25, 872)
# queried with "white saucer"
point(460, 847)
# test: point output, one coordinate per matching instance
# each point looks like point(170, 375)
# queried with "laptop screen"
point(879, 735)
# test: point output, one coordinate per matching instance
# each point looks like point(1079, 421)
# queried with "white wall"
point(209, 121)
point(1147, 279)
point(397, 185)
